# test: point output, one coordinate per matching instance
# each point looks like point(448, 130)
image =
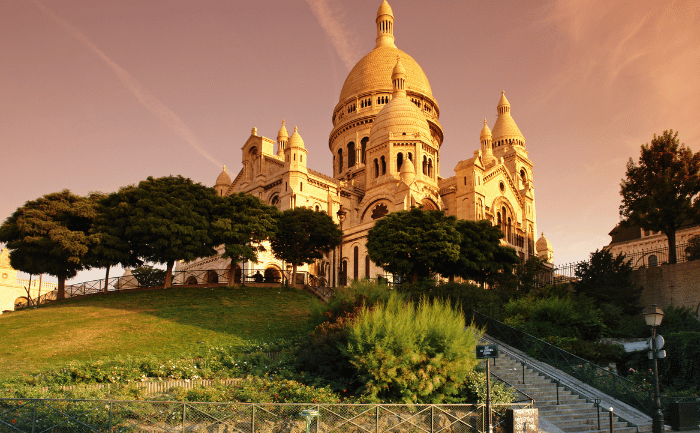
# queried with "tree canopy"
point(692, 251)
point(304, 235)
point(415, 243)
point(662, 191)
point(481, 255)
point(51, 235)
point(241, 222)
point(608, 280)
point(164, 220)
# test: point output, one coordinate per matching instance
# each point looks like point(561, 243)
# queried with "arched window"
point(410, 156)
point(383, 165)
point(653, 260)
point(523, 175)
point(340, 161)
point(425, 165)
point(356, 264)
point(430, 167)
point(363, 149)
point(366, 266)
point(351, 154)
point(399, 161)
point(376, 168)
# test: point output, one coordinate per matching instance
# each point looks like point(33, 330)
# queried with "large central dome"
point(373, 73)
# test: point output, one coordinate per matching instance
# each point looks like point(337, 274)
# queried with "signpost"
point(487, 352)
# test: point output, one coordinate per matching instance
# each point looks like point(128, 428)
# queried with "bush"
point(466, 297)
point(412, 354)
point(555, 317)
point(148, 276)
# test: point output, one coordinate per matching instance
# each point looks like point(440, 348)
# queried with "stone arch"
point(273, 274)
point(237, 274)
point(191, 280)
point(372, 211)
point(429, 204)
point(21, 302)
point(212, 277)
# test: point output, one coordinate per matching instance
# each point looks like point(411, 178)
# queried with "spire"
point(487, 145)
point(385, 26)
point(398, 79)
point(503, 104)
point(282, 138)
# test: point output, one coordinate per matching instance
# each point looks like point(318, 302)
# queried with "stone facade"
point(13, 290)
point(385, 142)
point(648, 248)
point(666, 284)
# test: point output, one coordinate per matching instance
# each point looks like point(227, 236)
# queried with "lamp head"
point(653, 315)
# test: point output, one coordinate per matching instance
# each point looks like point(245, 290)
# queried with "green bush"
point(466, 297)
point(412, 354)
point(555, 317)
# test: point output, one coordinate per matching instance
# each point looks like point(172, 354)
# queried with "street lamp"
point(341, 217)
point(653, 316)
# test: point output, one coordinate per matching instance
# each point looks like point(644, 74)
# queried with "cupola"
point(282, 139)
point(222, 182)
point(505, 131)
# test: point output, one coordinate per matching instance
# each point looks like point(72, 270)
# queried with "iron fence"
point(55, 415)
point(587, 372)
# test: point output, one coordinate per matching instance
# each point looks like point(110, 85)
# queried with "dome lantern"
point(385, 26)
point(282, 139)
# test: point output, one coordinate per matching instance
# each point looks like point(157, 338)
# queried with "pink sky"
point(96, 94)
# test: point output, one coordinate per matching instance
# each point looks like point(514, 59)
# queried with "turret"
point(385, 26)
point(295, 152)
point(486, 139)
point(223, 182)
point(282, 139)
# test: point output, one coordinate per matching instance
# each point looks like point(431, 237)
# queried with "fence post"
point(376, 421)
point(252, 420)
point(34, 416)
point(523, 364)
point(611, 420)
point(556, 385)
point(184, 412)
point(109, 422)
point(597, 406)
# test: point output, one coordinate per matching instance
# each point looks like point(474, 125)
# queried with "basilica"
point(385, 142)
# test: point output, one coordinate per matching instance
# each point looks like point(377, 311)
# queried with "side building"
point(385, 141)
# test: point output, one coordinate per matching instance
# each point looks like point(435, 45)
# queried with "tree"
point(662, 192)
point(304, 235)
point(481, 255)
point(241, 223)
point(414, 243)
point(608, 280)
point(692, 251)
point(164, 220)
point(51, 235)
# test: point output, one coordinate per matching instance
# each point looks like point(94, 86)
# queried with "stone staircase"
point(560, 407)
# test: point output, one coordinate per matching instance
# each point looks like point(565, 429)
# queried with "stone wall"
point(666, 284)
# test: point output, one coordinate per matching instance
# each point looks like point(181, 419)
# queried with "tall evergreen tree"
point(51, 235)
point(663, 191)
point(164, 220)
point(415, 243)
point(304, 235)
point(241, 223)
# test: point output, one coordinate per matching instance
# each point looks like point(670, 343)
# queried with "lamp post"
point(341, 275)
point(653, 316)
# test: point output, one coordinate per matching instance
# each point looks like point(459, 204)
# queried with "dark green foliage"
point(555, 317)
point(51, 235)
point(164, 220)
point(608, 280)
point(408, 354)
point(661, 193)
point(466, 297)
point(679, 319)
point(414, 243)
point(482, 258)
point(599, 353)
point(240, 223)
point(692, 251)
point(304, 235)
point(148, 276)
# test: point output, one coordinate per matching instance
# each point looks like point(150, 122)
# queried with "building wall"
point(666, 284)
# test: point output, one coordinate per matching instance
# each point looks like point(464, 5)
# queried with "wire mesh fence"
point(57, 416)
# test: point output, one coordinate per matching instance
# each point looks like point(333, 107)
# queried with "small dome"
point(385, 9)
point(223, 179)
point(505, 127)
point(543, 244)
point(400, 117)
point(485, 131)
point(295, 140)
point(283, 134)
point(408, 171)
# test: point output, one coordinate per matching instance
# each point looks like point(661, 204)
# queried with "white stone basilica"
point(385, 142)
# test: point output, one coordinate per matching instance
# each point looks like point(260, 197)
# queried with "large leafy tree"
point(607, 279)
point(304, 235)
point(481, 255)
point(164, 220)
point(51, 235)
point(662, 191)
point(415, 243)
point(241, 223)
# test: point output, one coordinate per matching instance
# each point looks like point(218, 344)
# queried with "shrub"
point(412, 354)
point(466, 297)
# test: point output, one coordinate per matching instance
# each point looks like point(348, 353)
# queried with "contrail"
point(335, 30)
point(150, 102)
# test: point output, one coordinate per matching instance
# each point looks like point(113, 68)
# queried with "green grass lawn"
point(166, 323)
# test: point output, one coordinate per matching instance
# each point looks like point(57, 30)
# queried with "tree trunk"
point(61, 289)
point(671, 236)
point(231, 273)
point(294, 275)
point(106, 280)
point(168, 275)
point(414, 277)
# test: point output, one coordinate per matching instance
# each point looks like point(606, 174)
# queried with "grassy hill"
point(167, 323)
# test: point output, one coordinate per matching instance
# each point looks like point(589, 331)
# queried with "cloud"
point(150, 102)
point(334, 28)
